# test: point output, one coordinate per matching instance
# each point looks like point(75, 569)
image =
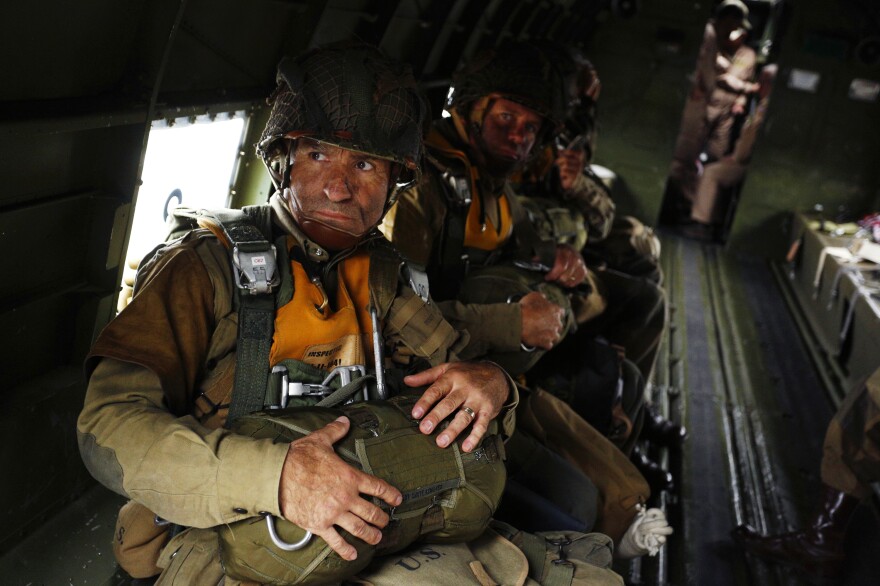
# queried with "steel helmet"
point(520, 72)
point(350, 96)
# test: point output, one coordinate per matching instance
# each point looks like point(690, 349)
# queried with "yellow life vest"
point(481, 233)
point(332, 335)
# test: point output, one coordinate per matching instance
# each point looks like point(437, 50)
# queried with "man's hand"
point(482, 387)
point(570, 163)
point(541, 321)
point(319, 490)
point(568, 269)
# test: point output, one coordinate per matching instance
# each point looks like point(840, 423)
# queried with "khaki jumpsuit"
point(146, 430)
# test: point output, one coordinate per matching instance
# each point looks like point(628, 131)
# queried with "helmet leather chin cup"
point(327, 236)
point(323, 234)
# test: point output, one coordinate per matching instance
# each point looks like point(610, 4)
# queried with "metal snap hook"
point(280, 543)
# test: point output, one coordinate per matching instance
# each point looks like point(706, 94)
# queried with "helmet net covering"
point(354, 98)
point(519, 72)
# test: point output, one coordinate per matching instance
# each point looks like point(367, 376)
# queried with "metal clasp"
point(255, 271)
point(323, 389)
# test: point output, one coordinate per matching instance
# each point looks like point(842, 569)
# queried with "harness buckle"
point(255, 270)
point(461, 187)
point(299, 389)
point(344, 373)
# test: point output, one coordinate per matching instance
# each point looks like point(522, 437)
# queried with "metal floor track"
point(736, 372)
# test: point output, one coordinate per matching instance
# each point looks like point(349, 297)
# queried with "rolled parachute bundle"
point(448, 495)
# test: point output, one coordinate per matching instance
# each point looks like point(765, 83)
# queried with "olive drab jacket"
point(150, 429)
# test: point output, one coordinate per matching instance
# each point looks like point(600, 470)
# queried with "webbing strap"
point(535, 550)
point(404, 314)
point(529, 242)
point(256, 325)
point(343, 393)
point(443, 335)
point(559, 574)
point(451, 267)
point(383, 278)
point(256, 306)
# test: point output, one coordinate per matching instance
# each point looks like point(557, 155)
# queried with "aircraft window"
point(188, 163)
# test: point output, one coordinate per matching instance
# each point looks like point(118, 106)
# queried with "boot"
point(658, 478)
point(816, 551)
point(660, 431)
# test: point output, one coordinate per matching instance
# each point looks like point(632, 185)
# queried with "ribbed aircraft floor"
point(736, 370)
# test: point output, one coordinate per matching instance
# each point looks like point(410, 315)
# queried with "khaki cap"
point(742, 8)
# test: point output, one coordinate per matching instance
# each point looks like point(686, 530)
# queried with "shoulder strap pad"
point(253, 255)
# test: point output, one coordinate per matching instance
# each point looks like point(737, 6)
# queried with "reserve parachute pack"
point(448, 495)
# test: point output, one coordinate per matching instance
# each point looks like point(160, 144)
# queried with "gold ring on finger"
point(468, 411)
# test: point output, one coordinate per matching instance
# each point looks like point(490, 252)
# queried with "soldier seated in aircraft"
point(622, 243)
point(170, 371)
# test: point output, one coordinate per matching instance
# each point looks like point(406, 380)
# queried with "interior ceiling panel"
point(226, 45)
point(415, 28)
point(358, 20)
point(45, 49)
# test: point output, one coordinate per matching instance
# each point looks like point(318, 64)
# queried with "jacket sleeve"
point(738, 76)
point(492, 326)
point(135, 432)
point(174, 466)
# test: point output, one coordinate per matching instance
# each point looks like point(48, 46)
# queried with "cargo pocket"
point(191, 558)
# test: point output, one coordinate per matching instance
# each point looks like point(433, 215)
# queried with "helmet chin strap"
point(327, 236)
point(321, 233)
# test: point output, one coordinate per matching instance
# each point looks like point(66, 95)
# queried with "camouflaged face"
point(520, 72)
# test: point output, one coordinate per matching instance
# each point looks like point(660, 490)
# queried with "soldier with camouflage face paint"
point(343, 137)
point(503, 104)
